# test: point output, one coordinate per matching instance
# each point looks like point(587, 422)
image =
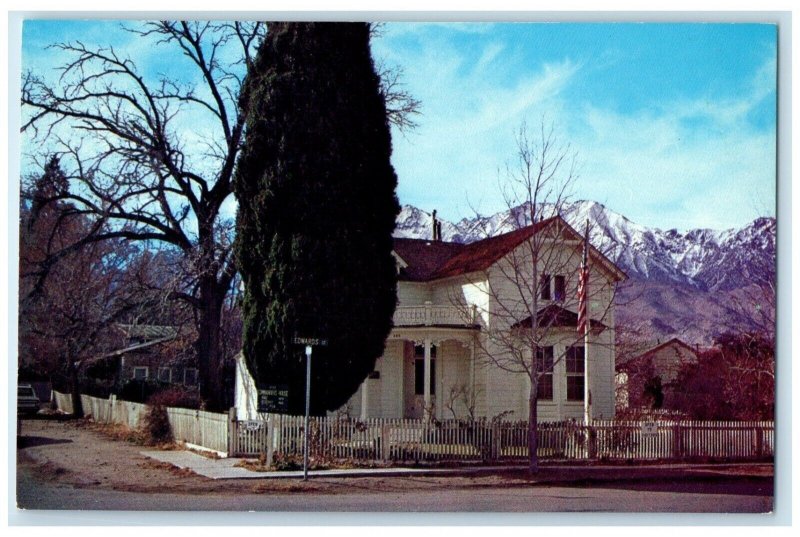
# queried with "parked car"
point(27, 402)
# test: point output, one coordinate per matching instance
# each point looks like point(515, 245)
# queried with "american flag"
point(583, 284)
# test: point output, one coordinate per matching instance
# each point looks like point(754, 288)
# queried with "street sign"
point(313, 341)
point(274, 399)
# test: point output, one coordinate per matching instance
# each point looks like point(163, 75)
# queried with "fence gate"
point(249, 438)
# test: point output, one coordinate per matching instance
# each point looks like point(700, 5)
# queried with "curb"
point(548, 475)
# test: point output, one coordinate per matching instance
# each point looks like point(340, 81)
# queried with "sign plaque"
point(649, 428)
point(274, 399)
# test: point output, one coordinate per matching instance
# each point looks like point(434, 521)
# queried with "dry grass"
point(171, 468)
point(117, 431)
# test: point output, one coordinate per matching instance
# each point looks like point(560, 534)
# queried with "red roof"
point(480, 255)
point(432, 260)
point(423, 257)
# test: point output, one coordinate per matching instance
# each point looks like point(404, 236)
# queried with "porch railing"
point(435, 315)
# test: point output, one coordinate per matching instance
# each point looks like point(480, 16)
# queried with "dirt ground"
point(81, 453)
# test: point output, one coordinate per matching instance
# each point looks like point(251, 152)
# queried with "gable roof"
point(480, 255)
point(674, 341)
point(147, 331)
point(137, 347)
point(428, 260)
point(557, 316)
point(423, 257)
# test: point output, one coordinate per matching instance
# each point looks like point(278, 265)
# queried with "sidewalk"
point(225, 469)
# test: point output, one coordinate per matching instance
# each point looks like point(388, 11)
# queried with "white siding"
point(452, 382)
point(496, 391)
point(667, 362)
point(245, 397)
point(390, 370)
point(412, 293)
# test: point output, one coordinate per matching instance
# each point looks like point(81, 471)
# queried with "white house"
point(660, 360)
point(455, 301)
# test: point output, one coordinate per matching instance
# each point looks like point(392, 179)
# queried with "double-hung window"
point(190, 376)
point(165, 374)
point(559, 288)
point(544, 287)
point(576, 375)
point(544, 365)
point(553, 287)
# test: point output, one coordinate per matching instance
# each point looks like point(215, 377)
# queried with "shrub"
point(156, 425)
point(175, 396)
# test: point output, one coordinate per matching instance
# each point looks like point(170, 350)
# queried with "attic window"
point(560, 288)
point(553, 287)
point(544, 287)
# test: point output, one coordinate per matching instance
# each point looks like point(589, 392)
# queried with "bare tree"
point(532, 289)
point(461, 396)
point(138, 168)
point(65, 320)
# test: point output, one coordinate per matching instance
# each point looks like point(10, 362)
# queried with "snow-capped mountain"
point(690, 285)
point(701, 258)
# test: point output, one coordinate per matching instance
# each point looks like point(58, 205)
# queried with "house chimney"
point(439, 230)
point(435, 226)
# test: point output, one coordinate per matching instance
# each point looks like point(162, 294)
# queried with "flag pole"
point(586, 324)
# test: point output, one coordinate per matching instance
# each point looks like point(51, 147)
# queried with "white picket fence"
point(453, 440)
point(203, 429)
point(399, 440)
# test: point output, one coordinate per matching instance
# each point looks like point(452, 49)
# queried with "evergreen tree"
point(317, 208)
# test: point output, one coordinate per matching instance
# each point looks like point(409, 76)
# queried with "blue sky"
point(673, 124)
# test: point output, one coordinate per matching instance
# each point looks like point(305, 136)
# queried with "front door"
point(414, 382)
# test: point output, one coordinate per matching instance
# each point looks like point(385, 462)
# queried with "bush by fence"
point(203, 429)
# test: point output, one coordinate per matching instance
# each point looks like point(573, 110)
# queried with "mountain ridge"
point(681, 284)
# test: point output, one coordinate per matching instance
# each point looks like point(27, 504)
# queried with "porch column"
point(427, 371)
point(365, 399)
point(401, 405)
point(472, 368)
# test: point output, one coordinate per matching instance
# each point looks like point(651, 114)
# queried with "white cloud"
point(665, 168)
point(472, 105)
point(686, 163)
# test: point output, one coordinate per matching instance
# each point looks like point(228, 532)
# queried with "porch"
point(427, 369)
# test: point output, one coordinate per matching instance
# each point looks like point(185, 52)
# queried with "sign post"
point(308, 404)
point(309, 343)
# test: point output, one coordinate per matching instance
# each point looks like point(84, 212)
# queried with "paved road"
point(751, 496)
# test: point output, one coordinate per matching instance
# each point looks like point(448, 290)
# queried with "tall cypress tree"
point(317, 208)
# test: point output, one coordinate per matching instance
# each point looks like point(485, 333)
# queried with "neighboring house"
point(657, 367)
point(438, 356)
point(143, 356)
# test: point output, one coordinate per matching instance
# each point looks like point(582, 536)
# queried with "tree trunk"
point(75, 389)
point(209, 346)
point(533, 432)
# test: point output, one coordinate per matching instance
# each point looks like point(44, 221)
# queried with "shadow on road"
point(33, 441)
point(752, 486)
